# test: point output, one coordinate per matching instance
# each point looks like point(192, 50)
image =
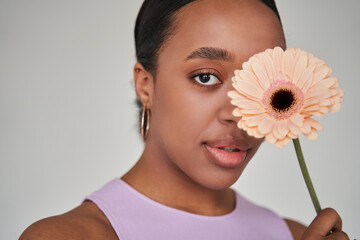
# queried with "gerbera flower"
point(277, 92)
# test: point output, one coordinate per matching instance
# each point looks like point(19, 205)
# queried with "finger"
point(326, 221)
point(338, 235)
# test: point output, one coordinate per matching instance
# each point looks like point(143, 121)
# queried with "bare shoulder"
point(297, 229)
point(84, 222)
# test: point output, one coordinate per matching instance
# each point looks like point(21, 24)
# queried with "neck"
point(162, 181)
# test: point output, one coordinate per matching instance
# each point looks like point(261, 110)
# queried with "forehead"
point(242, 27)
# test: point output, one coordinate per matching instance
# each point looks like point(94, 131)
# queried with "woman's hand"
point(327, 225)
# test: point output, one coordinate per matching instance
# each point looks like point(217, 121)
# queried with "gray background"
point(68, 120)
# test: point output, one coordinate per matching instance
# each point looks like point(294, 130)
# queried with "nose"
point(225, 107)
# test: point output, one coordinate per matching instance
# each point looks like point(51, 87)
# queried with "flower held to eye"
point(277, 92)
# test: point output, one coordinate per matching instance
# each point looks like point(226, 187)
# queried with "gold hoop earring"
point(145, 122)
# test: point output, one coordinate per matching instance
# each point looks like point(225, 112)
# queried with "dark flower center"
point(282, 100)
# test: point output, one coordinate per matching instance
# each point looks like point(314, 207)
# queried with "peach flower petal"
point(249, 89)
point(321, 72)
point(270, 138)
point(276, 132)
point(297, 120)
point(326, 83)
point(283, 127)
point(277, 57)
point(234, 94)
point(283, 142)
point(266, 125)
point(312, 135)
point(288, 63)
point(336, 107)
point(237, 112)
point(252, 111)
point(318, 93)
point(261, 75)
point(299, 67)
point(306, 78)
point(310, 102)
point(292, 135)
point(294, 129)
point(314, 124)
point(250, 76)
point(247, 104)
point(255, 120)
point(312, 108)
point(268, 65)
point(280, 129)
point(306, 128)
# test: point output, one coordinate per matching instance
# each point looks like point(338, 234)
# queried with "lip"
point(224, 158)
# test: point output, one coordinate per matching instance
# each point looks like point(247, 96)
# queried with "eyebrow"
point(211, 53)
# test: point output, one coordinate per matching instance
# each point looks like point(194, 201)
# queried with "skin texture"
point(176, 168)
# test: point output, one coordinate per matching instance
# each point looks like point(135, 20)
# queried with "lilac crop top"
point(134, 216)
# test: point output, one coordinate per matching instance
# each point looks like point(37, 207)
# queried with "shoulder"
point(297, 229)
point(270, 218)
point(84, 222)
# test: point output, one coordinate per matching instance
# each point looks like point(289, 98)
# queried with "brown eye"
point(207, 79)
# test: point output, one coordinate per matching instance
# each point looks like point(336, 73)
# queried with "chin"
point(218, 181)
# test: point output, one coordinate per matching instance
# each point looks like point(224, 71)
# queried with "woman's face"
point(192, 125)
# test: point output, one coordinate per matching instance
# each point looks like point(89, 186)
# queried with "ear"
point(144, 84)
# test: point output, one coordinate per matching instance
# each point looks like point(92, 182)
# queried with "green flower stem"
point(306, 175)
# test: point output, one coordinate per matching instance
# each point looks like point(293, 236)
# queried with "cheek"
point(180, 109)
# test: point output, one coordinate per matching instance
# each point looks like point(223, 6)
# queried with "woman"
point(187, 52)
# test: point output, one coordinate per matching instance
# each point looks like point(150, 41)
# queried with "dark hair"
point(154, 24)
